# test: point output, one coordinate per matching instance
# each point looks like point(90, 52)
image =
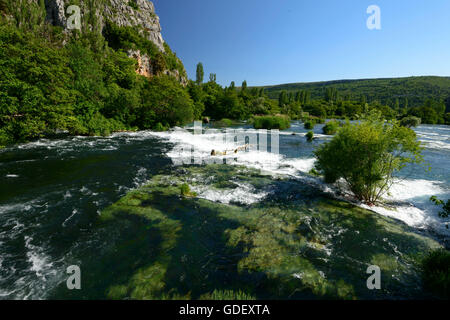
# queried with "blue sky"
point(282, 41)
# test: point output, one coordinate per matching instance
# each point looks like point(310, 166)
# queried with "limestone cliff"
point(133, 13)
point(139, 14)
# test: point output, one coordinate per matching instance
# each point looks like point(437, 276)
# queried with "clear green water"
point(68, 201)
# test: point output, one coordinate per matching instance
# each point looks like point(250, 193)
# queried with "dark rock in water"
point(206, 120)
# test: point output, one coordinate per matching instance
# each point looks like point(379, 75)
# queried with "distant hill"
point(385, 90)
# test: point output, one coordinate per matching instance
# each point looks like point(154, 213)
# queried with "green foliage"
point(129, 38)
point(229, 295)
point(133, 4)
point(280, 122)
point(35, 95)
point(25, 14)
point(414, 90)
point(165, 101)
point(367, 154)
point(436, 272)
point(424, 97)
point(173, 62)
point(426, 114)
point(224, 123)
point(200, 73)
point(331, 127)
point(309, 136)
point(445, 206)
point(125, 38)
point(83, 87)
point(186, 191)
point(410, 122)
point(159, 127)
point(309, 124)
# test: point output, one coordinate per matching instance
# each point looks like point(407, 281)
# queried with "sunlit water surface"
point(52, 192)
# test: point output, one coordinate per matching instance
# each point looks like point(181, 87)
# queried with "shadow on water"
point(296, 244)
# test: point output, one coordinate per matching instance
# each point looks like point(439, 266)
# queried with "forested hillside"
point(411, 91)
point(115, 73)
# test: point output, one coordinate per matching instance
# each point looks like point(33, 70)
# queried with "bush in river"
point(186, 191)
point(410, 122)
point(280, 122)
point(331, 127)
point(367, 154)
point(224, 123)
point(309, 125)
point(310, 136)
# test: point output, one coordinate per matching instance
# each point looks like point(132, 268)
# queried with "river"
point(52, 193)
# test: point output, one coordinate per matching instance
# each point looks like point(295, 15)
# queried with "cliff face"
point(130, 13)
point(139, 14)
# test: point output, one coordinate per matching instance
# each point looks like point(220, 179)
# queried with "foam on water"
point(418, 189)
point(39, 261)
point(242, 194)
point(408, 200)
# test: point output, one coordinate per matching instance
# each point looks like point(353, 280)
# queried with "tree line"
point(86, 84)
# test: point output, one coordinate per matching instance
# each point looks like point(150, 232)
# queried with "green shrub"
point(5, 138)
point(320, 120)
point(280, 122)
point(309, 136)
point(367, 154)
point(410, 122)
point(133, 4)
point(445, 206)
point(98, 125)
point(186, 191)
point(436, 272)
point(159, 127)
point(224, 123)
point(331, 127)
point(166, 101)
point(309, 124)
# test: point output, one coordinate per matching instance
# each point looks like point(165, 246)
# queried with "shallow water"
point(53, 191)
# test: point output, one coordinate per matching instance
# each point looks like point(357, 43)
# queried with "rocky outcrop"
point(132, 13)
point(139, 14)
point(144, 65)
point(55, 12)
point(176, 74)
point(124, 13)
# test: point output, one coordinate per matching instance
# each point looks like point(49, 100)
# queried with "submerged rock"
point(291, 243)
